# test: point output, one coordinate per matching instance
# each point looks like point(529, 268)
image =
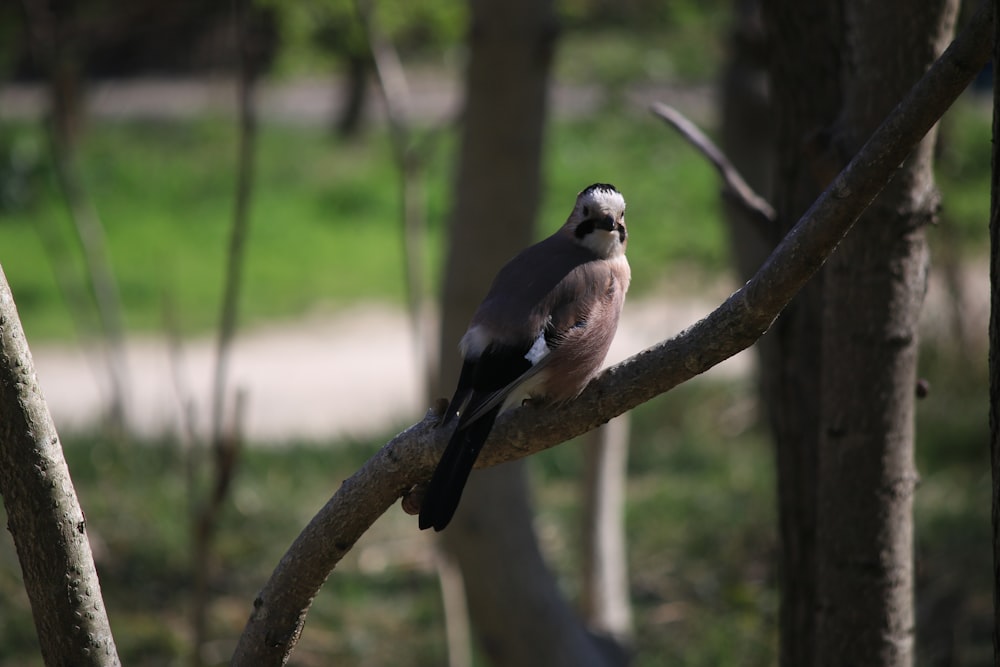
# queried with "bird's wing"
point(482, 402)
point(577, 306)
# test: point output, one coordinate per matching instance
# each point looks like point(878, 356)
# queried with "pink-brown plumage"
point(542, 332)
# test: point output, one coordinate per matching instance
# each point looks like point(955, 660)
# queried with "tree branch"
point(735, 188)
point(409, 458)
point(410, 163)
point(43, 513)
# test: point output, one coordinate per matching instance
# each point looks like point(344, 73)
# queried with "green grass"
point(324, 228)
point(701, 532)
point(963, 175)
point(693, 584)
point(324, 225)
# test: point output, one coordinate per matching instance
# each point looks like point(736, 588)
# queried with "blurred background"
point(135, 139)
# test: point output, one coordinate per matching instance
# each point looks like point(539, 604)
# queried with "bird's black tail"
point(446, 485)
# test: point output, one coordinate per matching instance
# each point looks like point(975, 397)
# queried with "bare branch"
point(226, 440)
point(735, 187)
point(410, 165)
point(238, 231)
point(409, 458)
point(43, 514)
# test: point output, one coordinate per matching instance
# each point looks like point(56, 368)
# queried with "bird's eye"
point(586, 211)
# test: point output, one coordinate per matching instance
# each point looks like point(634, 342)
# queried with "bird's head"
point(598, 220)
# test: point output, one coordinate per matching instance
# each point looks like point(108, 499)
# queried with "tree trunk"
point(804, 68)
point(841, 384)
point(519, 615)
point(873, 295)
point(354, 89)
point(43, 514)
point(604, 594)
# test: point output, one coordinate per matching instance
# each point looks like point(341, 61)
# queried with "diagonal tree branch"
point(408, 459)
point(43, 513)
point(735, 188)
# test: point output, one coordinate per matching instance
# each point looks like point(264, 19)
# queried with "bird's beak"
point(606, 223)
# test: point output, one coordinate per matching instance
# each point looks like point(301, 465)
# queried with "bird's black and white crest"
point(600, 207)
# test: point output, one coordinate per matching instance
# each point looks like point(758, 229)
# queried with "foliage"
point(614, 42)
point(962, 170)
point(319, 34)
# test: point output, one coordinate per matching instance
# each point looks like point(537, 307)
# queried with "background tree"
point(840, 368)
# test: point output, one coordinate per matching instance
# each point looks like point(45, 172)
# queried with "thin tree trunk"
point(350, 119)
point(226, 439)
point(605, 599)
point(874, 291)
point(841, 379)
point(804, 69)
point(43, 514)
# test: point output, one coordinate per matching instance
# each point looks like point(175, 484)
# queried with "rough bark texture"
point(804, 64)
point(409, 458)
point(43, 514)
point(839, 368)
point(874, 290)
point(518, 613)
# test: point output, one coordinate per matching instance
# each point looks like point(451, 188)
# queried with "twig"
point(735, 188)
point(104, 287)
point(54, 53)
point(238, 232)
point(407, 460)
point(409, 164)
point(226, 442)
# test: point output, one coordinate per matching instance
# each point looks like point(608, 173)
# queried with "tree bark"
point(604, 596)
point(873, 296)
point(840, 377)
point(804, 74)
point(43, 514)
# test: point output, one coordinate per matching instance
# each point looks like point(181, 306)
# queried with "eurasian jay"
point(541, 334)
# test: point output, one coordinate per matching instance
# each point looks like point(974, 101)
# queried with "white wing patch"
point(539, 350)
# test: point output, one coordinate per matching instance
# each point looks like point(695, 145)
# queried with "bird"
point(540, 334)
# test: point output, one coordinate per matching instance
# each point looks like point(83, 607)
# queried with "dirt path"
point(353, 374)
